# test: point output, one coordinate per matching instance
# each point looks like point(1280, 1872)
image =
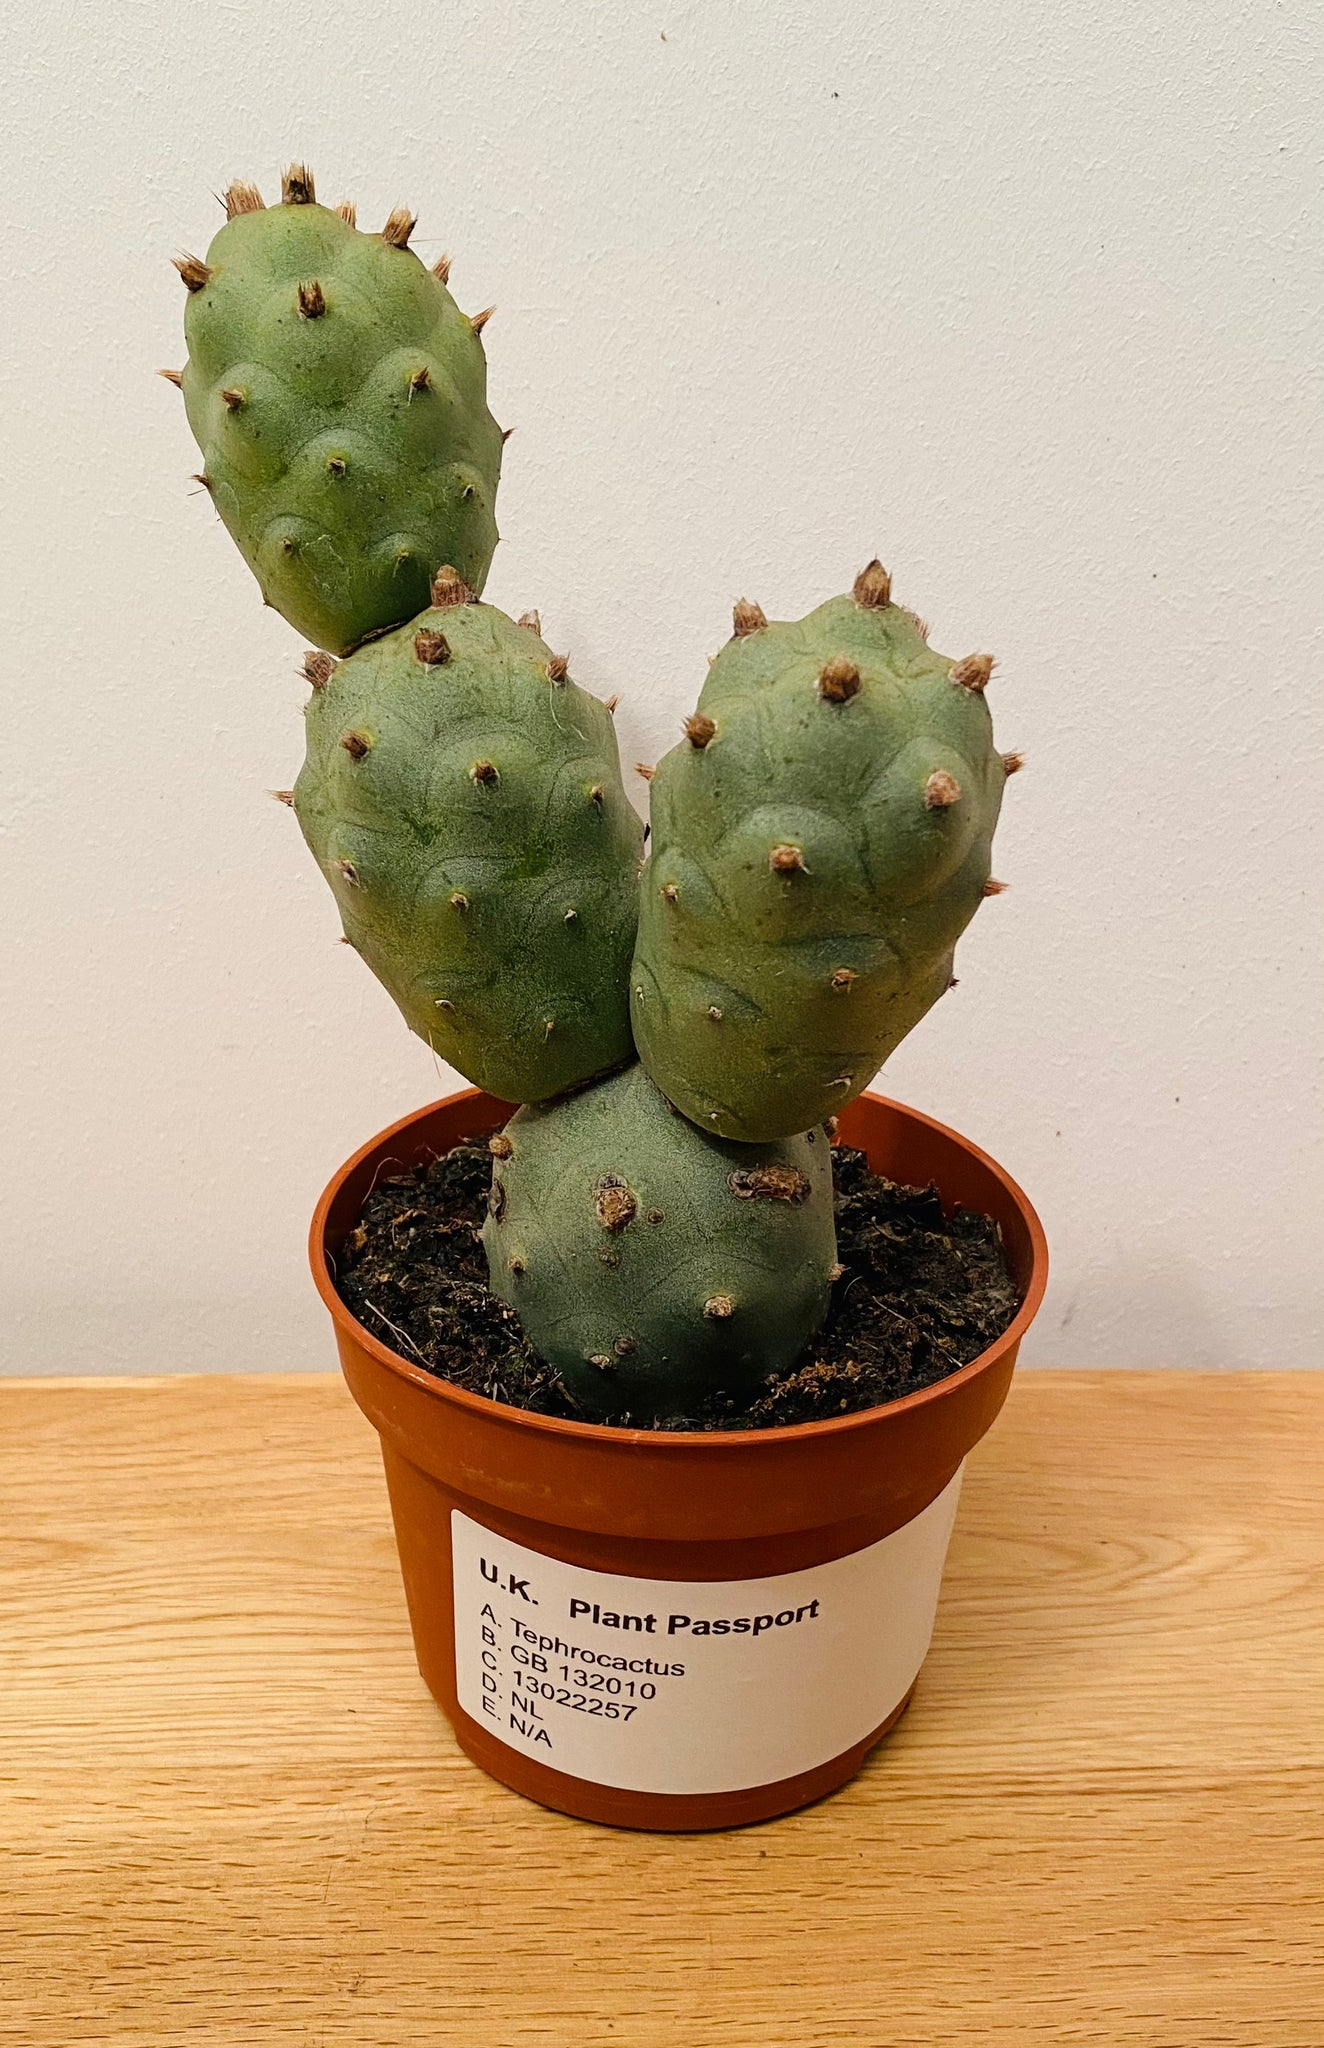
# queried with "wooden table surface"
point(233, 1816)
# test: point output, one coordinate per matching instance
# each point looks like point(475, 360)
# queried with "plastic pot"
point(674, 1631)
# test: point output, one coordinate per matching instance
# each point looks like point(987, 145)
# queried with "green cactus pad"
point(338, 395)
point(820, 839)
point(651, 1264)
point(464, 801)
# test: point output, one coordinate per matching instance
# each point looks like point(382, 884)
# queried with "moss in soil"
point(920, 1294)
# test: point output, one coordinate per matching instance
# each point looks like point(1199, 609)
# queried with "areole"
point(674, 1631)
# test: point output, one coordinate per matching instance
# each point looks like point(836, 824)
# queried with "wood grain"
point(232, 1815)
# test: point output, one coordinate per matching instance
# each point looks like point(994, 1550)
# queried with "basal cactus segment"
point(338, 395)
point(653, 1265)
point(820, 839)
point(463, 798)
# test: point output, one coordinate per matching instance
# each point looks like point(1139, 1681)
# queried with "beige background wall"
point(1022, 298)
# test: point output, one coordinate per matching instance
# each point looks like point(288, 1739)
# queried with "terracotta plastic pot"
point(674, 1631)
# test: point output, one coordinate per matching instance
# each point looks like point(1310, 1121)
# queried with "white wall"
point(1022, 297)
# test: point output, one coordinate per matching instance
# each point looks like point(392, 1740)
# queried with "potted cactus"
point(636, 1622)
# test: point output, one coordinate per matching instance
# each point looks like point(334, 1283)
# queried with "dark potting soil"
point(920, 1294)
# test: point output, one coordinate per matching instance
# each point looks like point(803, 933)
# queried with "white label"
point(682, 1685)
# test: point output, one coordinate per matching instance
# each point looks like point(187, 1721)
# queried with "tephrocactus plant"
point(661, 1214)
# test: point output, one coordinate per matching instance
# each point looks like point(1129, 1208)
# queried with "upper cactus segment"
point(463, 798)
point(338, 396)
point(820, 839)
point(652, 1265)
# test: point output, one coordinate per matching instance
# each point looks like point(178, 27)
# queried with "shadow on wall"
point(1138, 1312)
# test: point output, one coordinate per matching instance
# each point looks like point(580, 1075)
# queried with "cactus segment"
point(338, 395)
point(820, 838)
point(469, 815)
point(651, 1264)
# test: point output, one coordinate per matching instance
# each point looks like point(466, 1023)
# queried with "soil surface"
point(920, 1294)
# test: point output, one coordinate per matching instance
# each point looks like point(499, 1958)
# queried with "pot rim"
point(480, 1405)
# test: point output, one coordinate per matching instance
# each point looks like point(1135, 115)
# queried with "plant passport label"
point(681, 1685)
